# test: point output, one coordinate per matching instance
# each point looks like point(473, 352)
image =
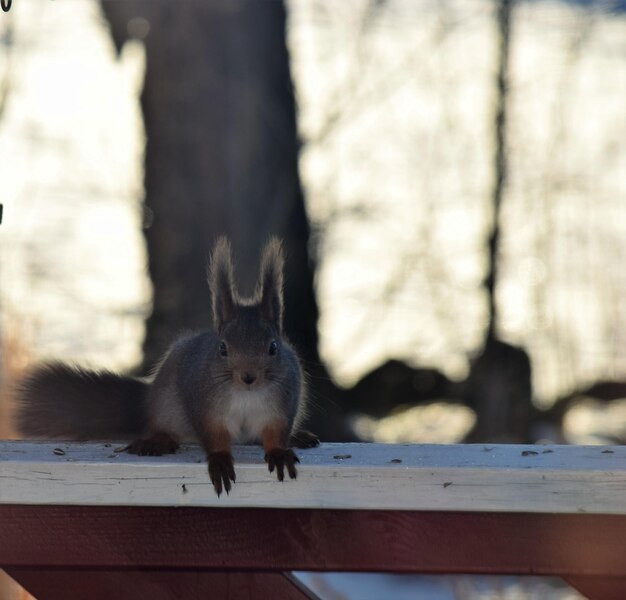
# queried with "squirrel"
point(240, 382)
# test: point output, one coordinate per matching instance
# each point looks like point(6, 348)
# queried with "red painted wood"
point(599, 588)
point(285, 540)
point(62, 584)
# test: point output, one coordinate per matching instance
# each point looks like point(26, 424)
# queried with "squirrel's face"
point(249, 349)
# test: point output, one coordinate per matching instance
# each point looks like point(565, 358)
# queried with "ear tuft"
point(271, 283)
point(221, 283)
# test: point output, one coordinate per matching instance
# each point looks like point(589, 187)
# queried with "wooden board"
point(500, 478)
point(88, 537)
point(176, 584)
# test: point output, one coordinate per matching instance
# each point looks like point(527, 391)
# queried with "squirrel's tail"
point(63, 402)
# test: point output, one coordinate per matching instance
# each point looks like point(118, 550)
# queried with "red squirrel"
point(240, 382)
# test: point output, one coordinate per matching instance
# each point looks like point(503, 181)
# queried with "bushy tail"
point(63, 402)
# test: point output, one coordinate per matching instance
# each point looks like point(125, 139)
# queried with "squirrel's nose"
point(248, 378)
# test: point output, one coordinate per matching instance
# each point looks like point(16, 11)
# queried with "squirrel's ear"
point(221, 283)
point(271, 283)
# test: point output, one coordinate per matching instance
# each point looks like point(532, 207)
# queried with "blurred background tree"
point(221, 157)
point(462, 218)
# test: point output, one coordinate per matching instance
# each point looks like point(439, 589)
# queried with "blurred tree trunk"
point(499, 386)
point(500, 159)
point(221, 158)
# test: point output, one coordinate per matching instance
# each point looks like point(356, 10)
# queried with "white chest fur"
point(248, 412)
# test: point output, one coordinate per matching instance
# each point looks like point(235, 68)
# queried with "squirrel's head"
point(249, 329)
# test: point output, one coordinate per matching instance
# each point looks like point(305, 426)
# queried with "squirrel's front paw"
point(280, 458)
point(304, 439)
point(221, 471)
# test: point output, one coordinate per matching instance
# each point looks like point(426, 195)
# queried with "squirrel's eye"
point(223, 349)
point(273, 348)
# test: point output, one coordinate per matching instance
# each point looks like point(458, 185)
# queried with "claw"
point(221, 471)
point(279, 458)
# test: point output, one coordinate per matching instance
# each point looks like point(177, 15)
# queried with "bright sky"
point(398, 184)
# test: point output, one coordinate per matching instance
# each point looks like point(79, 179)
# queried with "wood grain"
point(482, 478)
point(333, 540)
